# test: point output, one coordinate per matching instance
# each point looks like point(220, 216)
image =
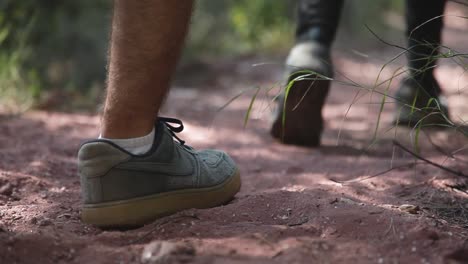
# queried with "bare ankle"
point(126, 125)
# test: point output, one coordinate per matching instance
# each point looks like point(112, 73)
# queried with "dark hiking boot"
point(124, 190)
point(415, 106)
point(419, 98)
point(298, 117)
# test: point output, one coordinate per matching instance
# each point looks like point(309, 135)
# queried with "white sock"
point(136, 146)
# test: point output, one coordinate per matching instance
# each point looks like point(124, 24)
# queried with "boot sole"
point(404, 117)
point(304, 123)
point(139, 211)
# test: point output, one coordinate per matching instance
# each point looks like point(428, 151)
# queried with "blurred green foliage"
point(53, 49)
point(233, 27)
point(49, 46)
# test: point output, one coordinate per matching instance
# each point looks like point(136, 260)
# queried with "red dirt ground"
point(297, 205)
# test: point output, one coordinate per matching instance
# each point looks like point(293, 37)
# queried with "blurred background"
point(53, 52)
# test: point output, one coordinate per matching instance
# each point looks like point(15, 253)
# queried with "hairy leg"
point(147, 37)
point(120, 187)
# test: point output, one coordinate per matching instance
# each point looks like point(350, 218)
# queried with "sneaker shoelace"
point(174, 129)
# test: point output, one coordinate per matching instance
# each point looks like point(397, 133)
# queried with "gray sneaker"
point(120, 189)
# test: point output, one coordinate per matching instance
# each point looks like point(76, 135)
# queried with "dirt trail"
point(293, 206)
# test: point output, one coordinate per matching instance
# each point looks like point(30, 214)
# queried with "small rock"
point(17, 217)
point(64, 216)
point(165, 251)
point(283, 217)
point(6, 189)
point(409, 208)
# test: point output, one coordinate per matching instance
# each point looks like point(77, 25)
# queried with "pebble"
point(6, 189)
point(158, 252)
point(409, 208)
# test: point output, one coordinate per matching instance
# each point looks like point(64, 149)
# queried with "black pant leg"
point(318, 20)
point(424, 29)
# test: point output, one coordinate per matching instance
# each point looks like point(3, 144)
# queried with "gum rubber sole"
point(139, 211)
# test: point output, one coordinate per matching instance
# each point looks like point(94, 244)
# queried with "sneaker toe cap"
point(216, 167)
